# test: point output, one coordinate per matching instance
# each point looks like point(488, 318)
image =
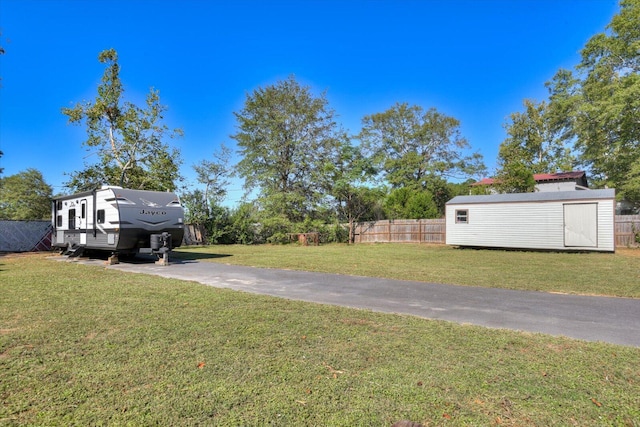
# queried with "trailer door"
point(581, 225)
point(82, 222)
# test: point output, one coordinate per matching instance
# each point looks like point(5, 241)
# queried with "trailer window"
point(59, 221)
point(100, 215)
point(83, 211)
point(59, 205)
point(72, 219)
point(462, 216)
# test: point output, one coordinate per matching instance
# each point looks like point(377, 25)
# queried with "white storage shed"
point(561, 220)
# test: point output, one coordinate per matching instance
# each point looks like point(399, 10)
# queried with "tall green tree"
point(535, 143)
point(214, 174)
point(196, 208)
point(285, 136)
point(592, 113)
point(244, 224)
point(353, 199)
point(513, 175)
point(203, 206)
point(531, 138)
point(564, 98)
point(410, 203)
point(411, 146)
point(25, 196)
point(608, 115)
point(632, 185)
point(130, 141)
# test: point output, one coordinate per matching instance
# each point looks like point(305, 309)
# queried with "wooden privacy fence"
point(401, 231)
point(627, 227)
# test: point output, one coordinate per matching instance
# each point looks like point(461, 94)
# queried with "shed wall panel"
point(607, 225)
point(534, 225)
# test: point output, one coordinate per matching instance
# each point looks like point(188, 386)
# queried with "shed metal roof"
point(544, 196)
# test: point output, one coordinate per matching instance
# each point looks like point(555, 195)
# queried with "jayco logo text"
point(152, 213)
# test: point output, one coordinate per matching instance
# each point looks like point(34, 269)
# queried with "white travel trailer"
point(118, 220)
point(581, 220)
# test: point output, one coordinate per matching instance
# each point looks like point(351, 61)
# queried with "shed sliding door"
point(581, 225)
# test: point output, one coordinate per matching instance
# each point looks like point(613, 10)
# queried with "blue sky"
point(475, 60)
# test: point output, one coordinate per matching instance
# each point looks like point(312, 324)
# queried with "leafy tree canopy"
point(410, 146)
point(286, 135)
point(515, 177)
point(214, 175)
point(196, 209)
point(130, 140)
point(533, 145)
point(592, 116)
point(531, 141)
point(25, 196)
point(410, 203)
point(349, 173)
point(608, 112)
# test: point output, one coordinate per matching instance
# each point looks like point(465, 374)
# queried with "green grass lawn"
point(85, 345)
point(579, 273)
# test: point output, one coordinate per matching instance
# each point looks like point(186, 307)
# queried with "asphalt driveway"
point(612, 320)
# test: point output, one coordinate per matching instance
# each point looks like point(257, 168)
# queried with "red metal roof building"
point(561, 181)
